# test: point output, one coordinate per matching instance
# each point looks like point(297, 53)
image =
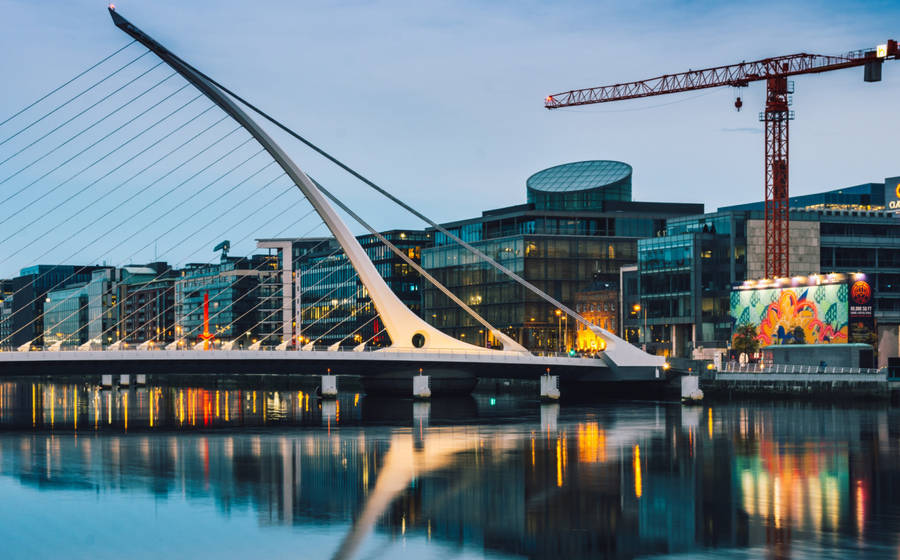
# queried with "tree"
point(745, 341)
point(799, 335)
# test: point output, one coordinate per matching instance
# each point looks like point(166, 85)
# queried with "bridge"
point(417, 349)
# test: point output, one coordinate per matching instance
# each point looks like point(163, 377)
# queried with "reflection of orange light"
point(559, 475)
point(636, 463)
point(591, 442)
point(860, 508)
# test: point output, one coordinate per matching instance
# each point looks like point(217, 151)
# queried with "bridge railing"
point(431, 353)
point(736, 367)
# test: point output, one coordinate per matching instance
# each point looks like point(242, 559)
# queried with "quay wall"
point(799, 385)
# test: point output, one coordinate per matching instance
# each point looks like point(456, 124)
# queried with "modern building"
point(281, 307)
point(599, 304)
point(66, 316)
point(334, 305)
point(232, 287)
point(684, 280)
point(578, 227)
point(29, 295)
point(6, 307)
point(146, 305)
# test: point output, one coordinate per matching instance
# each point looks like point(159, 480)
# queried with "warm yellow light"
point(636, 307)
point(558, 312)
point(666, 366)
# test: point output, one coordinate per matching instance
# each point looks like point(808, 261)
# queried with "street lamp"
point(643, 335)
point(559, 329)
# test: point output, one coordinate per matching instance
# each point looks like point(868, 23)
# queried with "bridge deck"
point(487, 365)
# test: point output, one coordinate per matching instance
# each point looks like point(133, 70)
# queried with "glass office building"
point(66, 316)
point(29, 294)
point(683, 283)
point(578, 228)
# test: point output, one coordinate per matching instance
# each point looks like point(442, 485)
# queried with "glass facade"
point(66, 316)
point(30, 288)
point(334, 304)
point(561, 266)
point(234, 299)
point(684, 283)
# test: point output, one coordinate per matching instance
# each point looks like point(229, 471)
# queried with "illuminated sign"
point(881, 51)
point(892, 193)
point(820, 309)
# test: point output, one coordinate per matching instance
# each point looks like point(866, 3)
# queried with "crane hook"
point(738, 104)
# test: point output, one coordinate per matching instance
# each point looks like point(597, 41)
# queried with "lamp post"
point(643, 333)
point(559, 329)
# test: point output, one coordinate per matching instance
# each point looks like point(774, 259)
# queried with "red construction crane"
point(776, 115)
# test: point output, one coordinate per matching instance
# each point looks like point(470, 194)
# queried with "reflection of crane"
point(776, 115)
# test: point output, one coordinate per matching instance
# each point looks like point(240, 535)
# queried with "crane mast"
point(775, 116)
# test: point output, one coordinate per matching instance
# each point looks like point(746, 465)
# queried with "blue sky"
point(441, 102)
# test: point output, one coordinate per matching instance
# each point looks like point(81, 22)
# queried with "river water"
point(186, 471)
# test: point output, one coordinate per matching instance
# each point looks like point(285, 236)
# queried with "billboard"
point(820, 310)
point(862, 313)
point(892, 194)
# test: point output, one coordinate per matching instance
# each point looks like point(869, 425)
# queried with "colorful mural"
point(780, 313)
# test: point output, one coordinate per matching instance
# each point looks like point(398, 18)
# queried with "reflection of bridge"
point(416, 346)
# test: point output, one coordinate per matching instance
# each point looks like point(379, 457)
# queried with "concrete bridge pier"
point(549, 388)
point(421, 387)
point(329, 386)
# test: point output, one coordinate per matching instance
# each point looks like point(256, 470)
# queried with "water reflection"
point(518, 479)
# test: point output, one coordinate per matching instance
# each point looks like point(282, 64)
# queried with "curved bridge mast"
point(406, 329)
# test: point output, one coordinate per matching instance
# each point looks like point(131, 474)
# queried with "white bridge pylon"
point(407, 330)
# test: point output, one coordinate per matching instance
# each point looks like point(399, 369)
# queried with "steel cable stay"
point(352, 315)
point(148, 205)
point(256, 269)
point(122, 184)
point(456, 239)
point(7, 139)
point(505, 339)
point(359, 328)
point(334, 307)
point(95, 162)
point(245, 294)
point(108, 212)
point(60, 87)
point(193, 234)
point(190, 236)
point(92, 125)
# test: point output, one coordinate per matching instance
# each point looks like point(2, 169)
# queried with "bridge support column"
point(329, 386)
point(421, 387)
point(549, 388)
